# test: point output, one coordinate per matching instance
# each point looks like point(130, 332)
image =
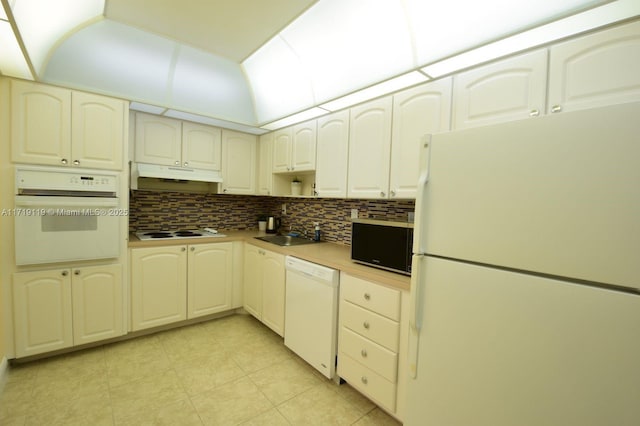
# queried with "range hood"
point(172, 174)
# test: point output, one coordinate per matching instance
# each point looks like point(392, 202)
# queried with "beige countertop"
point(333, 255)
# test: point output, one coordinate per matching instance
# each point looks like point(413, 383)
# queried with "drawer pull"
point(363, 353)
point(364, 380)
point(366, 324)
point(367, 296)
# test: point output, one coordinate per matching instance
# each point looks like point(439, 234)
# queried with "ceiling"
point(254, 65)
point(231, 29)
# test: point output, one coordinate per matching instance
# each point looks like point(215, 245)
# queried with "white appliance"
point(66, 215)
point(311, 313)
point(525, 305)
point(142, 170)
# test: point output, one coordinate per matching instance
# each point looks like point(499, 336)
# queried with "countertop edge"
point(333, 255)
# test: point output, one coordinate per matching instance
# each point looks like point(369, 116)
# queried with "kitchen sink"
point(285, 240)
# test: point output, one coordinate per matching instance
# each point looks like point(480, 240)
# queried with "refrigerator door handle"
point(416, 307)
point(421, 196)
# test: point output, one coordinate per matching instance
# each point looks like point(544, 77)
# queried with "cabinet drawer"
point(382, 300)
point(368, 382)
point(380, 329)
point(381, 360)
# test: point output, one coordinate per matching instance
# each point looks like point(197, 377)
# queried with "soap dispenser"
point(316, 234)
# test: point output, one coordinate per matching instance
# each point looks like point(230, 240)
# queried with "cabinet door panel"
point(40, 124)
point(303, 155)
point(97, 134)
point(158, 286)
point(596, 70)
point(282, 150)
point(42, 311)
point(201, 146)
point(253, 281)
point(239, 152)
point(416, 112)
point(508, 90)
point(210, 280)
point(265, 165)
point(273, 288)
point(370, 149)
point(158, 140)
point(97, 303)
point(332, 155)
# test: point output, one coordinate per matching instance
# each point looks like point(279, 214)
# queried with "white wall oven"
point(66, 215)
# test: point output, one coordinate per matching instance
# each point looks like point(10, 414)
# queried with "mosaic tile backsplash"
point(151, 210)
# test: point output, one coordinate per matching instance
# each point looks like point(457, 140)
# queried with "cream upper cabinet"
point(97, 303)
point(282, 141)
point(54, 126)
point(507, 90)
point(423, 110)
point(294, 148)
point(239, 160)
point(43, 319)
point(264, 286)
point(210, 279)
point(370, 149)
point(97, 131)
point(332, 159)
point(170, 142)
point(265, 164)
point(158, 286)
point(303, 154)
point(158, 140)
point(201, 146)
point(595, 70)
point(60, 308)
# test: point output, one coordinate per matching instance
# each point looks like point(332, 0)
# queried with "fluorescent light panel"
point(12, 61)
point(386, 87)
point(210, 121)
point(603, 15)
point(296, 118)
point(151, 109)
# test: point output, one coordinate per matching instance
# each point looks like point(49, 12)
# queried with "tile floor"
point(228, 371)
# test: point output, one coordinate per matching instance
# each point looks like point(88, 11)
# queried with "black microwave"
point(382, 244)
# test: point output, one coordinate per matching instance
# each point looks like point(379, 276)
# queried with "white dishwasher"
point(311, 313)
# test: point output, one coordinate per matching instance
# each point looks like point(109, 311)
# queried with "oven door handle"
point(43, 201)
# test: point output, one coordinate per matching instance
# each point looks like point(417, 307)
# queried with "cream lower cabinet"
point(174, 283)
point(264, 286)
point(60, 308)
point(209, 279)
point(372, 336)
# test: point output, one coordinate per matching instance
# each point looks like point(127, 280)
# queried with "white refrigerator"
point(526, 270)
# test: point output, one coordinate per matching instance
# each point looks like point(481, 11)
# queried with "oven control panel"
point(53, 179)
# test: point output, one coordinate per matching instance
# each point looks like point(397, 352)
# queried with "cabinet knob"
point(364, 380)
point(393, 193)
point(224, 190)
point(177, 163)
point(186, 163)
point(183, 249)
point(366, 325)
point(534, 113)
point(76, 272)
point(65, 273)
point(367, 296)
point(64, 161)
point(363, 353)
point(76, 162)
point(382, 194)
point(556, 108)
point(193, 249)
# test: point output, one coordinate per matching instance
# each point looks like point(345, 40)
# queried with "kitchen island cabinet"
point(174, 283)
point(61, 127)
point(264, 286)
point(59, 308)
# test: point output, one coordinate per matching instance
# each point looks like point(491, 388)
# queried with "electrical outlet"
point(354, 213)
point(284, 208)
